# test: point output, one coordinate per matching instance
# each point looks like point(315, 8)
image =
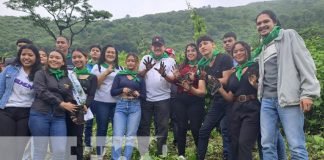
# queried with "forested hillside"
point(134, 34)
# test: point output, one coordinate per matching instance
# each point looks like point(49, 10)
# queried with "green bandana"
point(203, 62)
point(131, 73)
point(58, 73)
point(105, 65)
point(91, 62)
point(83, 71)
point(68, 56)
point(239, 69)
point(192, 63)
point(266, 40)
point(158, 58)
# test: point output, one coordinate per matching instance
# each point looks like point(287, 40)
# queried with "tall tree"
point(71, 15)
point(199, 23)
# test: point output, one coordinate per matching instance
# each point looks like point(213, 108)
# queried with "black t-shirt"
point(243, 87)
point(223, 62)
point(89, 86)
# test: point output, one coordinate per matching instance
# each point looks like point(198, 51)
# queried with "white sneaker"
point(87, 150)
point(181, 157)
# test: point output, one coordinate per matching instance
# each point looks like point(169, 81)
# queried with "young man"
point(156, 70)
point(219, 66)
point(63, 44)
point(229, 39)
point(287, 85)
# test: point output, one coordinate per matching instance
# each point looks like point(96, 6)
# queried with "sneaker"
point(181, 157)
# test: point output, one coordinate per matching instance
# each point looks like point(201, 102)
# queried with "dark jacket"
point(50, 92)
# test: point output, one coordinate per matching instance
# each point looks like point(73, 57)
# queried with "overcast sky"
point(137, 8)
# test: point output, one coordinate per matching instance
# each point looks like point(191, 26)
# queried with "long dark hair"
point(64, 67)
point(102, 58)
point(246, 46)
point(186, 61)
point(272, 16)
point(36, 66)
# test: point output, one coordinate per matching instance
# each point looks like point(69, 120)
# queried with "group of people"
point(252, 94)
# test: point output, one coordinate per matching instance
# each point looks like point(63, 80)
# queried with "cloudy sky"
point(136, 8)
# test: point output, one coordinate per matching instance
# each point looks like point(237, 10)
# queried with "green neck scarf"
point(192, 63)
point(158, 58)
point(266, 40)
point(239, 69)
point(105, 65)
point(90, 61)
point(131, 73)
point(203, 62)
point(68, 56)
point(58, 73)
point(83, 71)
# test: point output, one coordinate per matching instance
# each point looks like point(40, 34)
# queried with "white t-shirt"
point(157, 88)
point(103, 92)
point(23, 92)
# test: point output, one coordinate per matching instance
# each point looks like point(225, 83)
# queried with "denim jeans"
point(126, 121)
point(292, 120)
point(44, 126)
point(281, 148)
point(104, 113)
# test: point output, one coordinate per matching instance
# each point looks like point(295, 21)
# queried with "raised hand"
point(162, 69)
point(175, 71)
point(148, 63)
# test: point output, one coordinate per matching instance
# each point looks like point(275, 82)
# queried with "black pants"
point(13, 123)
point(245, 128)
point(212, 120)
point(161, 112)
point(188, 108)
point(173, 120)
point(74, 131)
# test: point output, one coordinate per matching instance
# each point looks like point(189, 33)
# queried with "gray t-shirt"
point(270, 78)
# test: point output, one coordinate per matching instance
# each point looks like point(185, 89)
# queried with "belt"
point(129, 99)
point(245, 98)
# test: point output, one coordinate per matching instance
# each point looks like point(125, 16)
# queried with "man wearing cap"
point(156, 70)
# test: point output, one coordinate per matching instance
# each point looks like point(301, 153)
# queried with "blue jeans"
point(292, 120)
point(126, 121)
point(44, 126)
point(104, 113)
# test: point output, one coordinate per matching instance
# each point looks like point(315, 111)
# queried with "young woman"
point(245, 110)
point(17, 95)
point(104, 102)
point(47, 116)
point(130, 88)
point(190, 102)
point(88, 82)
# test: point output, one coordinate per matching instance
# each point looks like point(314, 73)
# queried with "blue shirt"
point(7, 78)
point(122, 81)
